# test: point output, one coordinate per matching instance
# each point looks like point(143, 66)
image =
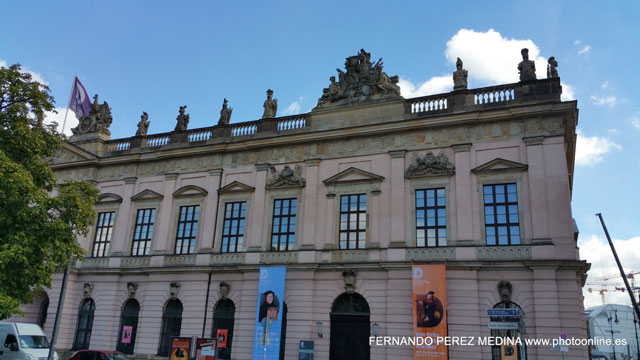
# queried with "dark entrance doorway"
point(350, 328)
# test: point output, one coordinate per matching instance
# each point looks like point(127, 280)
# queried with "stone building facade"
point(187, 218)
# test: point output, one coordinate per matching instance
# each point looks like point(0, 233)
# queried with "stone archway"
point(350, 328)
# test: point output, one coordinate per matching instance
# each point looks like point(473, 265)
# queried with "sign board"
point(305, 351)
point(500, 325)
point(429, 285)
point(503, 312)
point(205, 349)
point(180, 348)
point(269, 307)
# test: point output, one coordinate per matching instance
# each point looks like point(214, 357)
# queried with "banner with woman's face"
point(266, 344)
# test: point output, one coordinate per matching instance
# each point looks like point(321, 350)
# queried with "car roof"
point(102, 351)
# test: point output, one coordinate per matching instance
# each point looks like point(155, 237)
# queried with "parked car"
point(21, 341)
point(98, 355)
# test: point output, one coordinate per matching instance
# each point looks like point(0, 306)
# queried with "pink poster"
point(127, 333)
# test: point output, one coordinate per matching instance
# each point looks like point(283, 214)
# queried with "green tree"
point(39, 219)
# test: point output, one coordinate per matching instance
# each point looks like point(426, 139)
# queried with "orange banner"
point(429, 311)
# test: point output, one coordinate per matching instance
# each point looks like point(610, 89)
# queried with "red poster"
point(429, 311)
point(205, 349)
point(222, 338)
point(180, 347)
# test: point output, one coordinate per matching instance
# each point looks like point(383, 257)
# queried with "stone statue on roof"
point(459, 77)
point(552, 72)
point(225, 114)
point(527, 68)
point(362, 80)
point(183, 120)
point(97, 121)
point(143, 125)
point(270, 106)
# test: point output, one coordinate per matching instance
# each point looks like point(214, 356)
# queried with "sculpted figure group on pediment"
point(286, 178)
point(362, 80)
point(429, 165)
point(97, 121)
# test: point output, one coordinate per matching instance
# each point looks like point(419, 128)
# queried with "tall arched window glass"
point(171, 324)
point(84, 325)
point(44, 310)
point(499, 352)
point(223, 318)
point(128, 326)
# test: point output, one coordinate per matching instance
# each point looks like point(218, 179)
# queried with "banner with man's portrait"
point(429, 310)
point(266, 344)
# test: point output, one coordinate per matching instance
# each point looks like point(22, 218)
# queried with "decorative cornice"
point(461, 147)
point(312, 162)
point(360, 176)
point(130, 180)
point(499, 165)
point(147, 195)
point(171, 176)
point(236, 187)
point(262, 167)
point(215, 172)
point(533, 140)
point(397, 153)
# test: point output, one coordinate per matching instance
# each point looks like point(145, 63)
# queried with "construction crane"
point(606, 287)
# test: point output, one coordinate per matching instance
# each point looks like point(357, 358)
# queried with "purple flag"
point(79, 102)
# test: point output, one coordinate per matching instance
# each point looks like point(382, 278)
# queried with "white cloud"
point(435, 85)
point(585, 50)
point(635, 120)
point(489, 57)
point(609, 101)
point(52, 117)
point(294, 108)
point(577, 42)
point(568, 92)
point(605, 84)
point(596, 251)
point(612, 131)
point(34, 75)
point(590, 150)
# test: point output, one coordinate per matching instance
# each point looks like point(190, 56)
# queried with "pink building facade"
point(348, 198)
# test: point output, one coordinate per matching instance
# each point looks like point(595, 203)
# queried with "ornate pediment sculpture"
point(429, 165)
point(96, 122)
point(286, 178)
point(182, 120)
point(362, 81)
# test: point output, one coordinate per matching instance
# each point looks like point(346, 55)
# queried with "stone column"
point(330, 241)
point(310, 205)
point(209, 220)
point(163, 218)
point(539, 204)
point(464, 194)
point(256, 236)
point(397, 199)
point(121, 235)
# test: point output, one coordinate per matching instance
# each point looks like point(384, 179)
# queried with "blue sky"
point(154, 56)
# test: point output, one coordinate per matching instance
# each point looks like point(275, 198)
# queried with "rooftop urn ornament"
point(96, 122)
point(183, 120)
point(270, 106)
point(527, 68)
point(143, 125)
point(552, 64)
point(460, 77)
point(362, 81)
point(225, 114)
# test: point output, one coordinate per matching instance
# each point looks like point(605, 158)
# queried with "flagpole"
point(64, 123)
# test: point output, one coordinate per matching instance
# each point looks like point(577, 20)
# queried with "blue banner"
point(266, 342)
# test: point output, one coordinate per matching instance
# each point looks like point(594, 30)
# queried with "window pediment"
point(109, 198)
point(499, 165)
point(353, 176)
point(147, 195)
point(190, 190)
point(429, 165)
point(236, 187)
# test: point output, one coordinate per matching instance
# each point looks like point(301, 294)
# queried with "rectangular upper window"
point(431, 218)
point(283, 230)
point(353, 221)
point(233, 230)
point(143, 232)
point(502, 223)
point(104, 231)
point(187, 229)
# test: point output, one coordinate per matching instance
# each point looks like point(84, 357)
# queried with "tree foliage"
point(39, 219)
